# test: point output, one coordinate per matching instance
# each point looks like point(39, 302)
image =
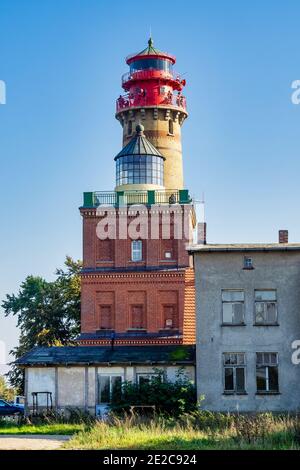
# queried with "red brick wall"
point(152, 291)
point(117, 253)
point(155, 296)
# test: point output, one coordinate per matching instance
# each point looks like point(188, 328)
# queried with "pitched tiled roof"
point(83, 355)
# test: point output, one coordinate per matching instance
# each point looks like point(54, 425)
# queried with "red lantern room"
point(151, 81)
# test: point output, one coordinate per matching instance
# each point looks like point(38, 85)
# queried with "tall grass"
point(195, 431)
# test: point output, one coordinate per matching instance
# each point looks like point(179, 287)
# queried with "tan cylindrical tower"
point(154, 100)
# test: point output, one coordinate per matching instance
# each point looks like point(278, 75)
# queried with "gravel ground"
point(31, 442)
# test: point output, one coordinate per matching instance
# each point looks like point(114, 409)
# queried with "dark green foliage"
point(48, 313)
point(171, 398)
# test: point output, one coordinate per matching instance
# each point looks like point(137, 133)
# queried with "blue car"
point(7, 409)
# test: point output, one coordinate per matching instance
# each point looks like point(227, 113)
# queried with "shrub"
point(171, 398)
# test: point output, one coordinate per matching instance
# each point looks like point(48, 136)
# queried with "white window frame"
point(242, 302)
point(136, 250)
point(99, 375)
point(265, 303)
point(266, 365)
point(234, 366)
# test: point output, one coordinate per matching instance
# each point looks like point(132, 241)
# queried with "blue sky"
point(62, 63)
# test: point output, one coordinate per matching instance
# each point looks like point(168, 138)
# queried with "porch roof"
point(106, 355)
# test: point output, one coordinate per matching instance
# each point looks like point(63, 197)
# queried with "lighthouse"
point(137, 280)
point(153, 97)
point(138, 283)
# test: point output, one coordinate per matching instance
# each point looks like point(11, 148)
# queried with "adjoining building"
point(248, 316)
point(83, 377)
point(137, 300)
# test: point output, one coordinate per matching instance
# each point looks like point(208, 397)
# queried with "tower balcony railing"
point(151, 74)
point(126, 198)
point(128, 101)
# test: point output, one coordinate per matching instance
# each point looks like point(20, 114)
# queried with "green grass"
point(274, 433)
point(53, 428)
point(199, 430)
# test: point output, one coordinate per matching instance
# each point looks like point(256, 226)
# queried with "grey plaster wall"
point(76, 386)
point(217, 271)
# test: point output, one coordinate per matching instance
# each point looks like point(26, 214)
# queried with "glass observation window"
point(140, 169)
point(151, 64)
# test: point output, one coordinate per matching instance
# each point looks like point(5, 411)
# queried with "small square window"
point(168, 254)
point(248, 263)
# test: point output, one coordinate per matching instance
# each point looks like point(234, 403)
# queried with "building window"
point(106, 321)
point(168, 254)
point(136, 250)
point(265, 307)
point(129, 128)
point(137, 317)
point(107, 386)
point(233, 307)
point(171, 127)
point(267, 372)
point(234, 372)
point(248, 263)
point(144, 379)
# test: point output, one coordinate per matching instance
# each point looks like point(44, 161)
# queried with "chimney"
point(201, 233)
point(283, 236)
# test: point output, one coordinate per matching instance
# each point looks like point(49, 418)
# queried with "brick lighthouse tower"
point(138, 285)
point(137, 281)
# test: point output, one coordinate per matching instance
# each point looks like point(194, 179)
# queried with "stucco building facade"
point(248, 319)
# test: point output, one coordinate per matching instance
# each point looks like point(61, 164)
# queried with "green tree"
point(6, 392)
point(48, 313)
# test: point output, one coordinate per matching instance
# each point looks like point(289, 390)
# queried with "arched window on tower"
point(171, 127)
